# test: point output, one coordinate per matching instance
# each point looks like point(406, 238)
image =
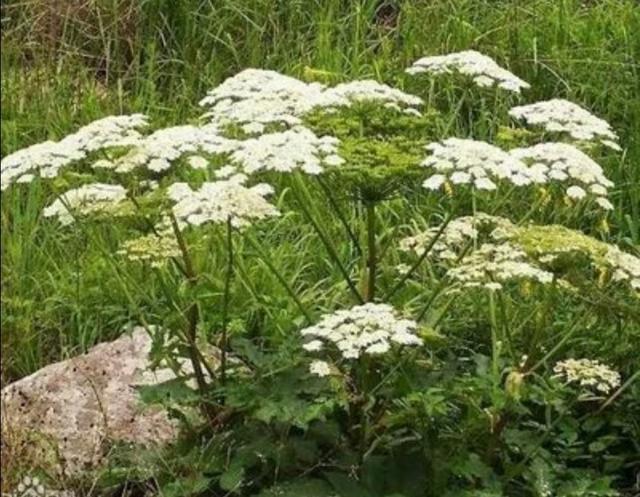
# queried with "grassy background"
point(67, 62)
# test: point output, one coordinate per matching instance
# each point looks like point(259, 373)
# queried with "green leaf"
point(231, 480)
point(170, 392)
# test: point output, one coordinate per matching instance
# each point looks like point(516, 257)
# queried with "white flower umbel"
point(366, 91)
point(161, 148)
point(87, 199)
point(588, 374)
point(48, 158)
point(625, 267)
point(483, 70)
point(564, 163)
point(457, 235)
point(255, 98)
point(561, 116)
point(461, 161)
point(364, 329)
point(320, 368)
point(290, 150)
point(152, 248)
point(491, 265)
point(222, 201)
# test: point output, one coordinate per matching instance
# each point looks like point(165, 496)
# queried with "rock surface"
point(82, 405)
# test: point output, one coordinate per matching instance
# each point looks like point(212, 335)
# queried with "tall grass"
point(66, 63)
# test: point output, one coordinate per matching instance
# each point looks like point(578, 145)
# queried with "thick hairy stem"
point(225, 304)
point(193, 315)
point(372, 256)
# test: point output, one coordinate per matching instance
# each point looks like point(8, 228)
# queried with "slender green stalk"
point(422, 257)
point(225, 303)
point(558, 346)
point(341, 216)
point(495, 346)
point(619, 391)
point(372, 256)
point(304, 205)
point(193, 315)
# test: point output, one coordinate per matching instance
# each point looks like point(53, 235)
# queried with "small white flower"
point(576, 193)
point(25, 178)
point(226, 172)
point(460, 178)
point(313, 346)
point(604, 203)
point(198, 162)
point(158, 165)
point(320, 368)
point(484, 184)
point(434, 182)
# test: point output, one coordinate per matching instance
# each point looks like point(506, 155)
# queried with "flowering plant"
point(270, 231)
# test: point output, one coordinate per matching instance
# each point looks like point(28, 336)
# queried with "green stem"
point(341, 216)
point(372, 261)
point(619, 391)
point(422, 257)
point(304, 204)
point(193, 314)
point(225, 304)
point(495, 348)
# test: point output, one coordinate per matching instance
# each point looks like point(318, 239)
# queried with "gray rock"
point(83, 405)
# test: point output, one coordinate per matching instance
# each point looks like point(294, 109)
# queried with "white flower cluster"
point(297, 148)
point(255, 98)
point(320, 368)
point(565, 163)
point(463, 161)
point(561, 116)
point(455, 236)
point(491, 265)
point(625, 267)
point(159, 149)
point(589, 374)
point(482, 69)
point(470, 247)
point(370, 90)
point(152, 248)
point(363, 329)
point(47, 158)
point(222, 201)
point(87, 199)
